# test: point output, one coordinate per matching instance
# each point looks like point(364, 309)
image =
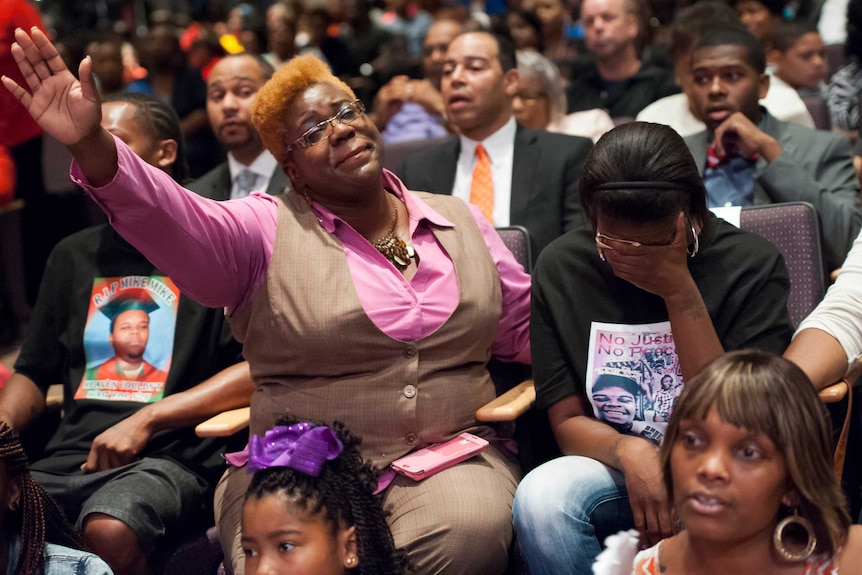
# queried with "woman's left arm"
point(512, 341)
point(663, 270)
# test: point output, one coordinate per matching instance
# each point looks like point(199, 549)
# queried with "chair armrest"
point(224, 424)
point(54, 397)
point(510, 405)
point(834, 393)
point(838, 390)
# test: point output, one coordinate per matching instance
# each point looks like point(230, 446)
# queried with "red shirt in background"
point(16, 125)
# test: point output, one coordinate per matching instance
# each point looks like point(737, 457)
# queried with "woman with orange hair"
point(356, 299)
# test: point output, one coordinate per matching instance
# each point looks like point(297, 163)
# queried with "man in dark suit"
point(232, 86)
point(535, 173)
point(748, 157)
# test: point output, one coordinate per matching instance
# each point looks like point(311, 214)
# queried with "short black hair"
point(507, 57)
point(265, 66)
point(607, 380)
point(505, 49)
point(691, 21)
point(721, 36)
point(787, 33)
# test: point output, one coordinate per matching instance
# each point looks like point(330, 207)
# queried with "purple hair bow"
point(302, 446)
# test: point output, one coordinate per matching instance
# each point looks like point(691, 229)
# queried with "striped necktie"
point(245, 181)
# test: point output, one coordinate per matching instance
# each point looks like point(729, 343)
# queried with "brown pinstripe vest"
point(314, 352)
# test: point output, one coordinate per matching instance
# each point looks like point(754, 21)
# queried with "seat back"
point(819, 112)
point(836, 57)
point(536, 443)
point(395, 154)
point(517, 239)
point(794, 229)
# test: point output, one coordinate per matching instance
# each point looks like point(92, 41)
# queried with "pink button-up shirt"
point(218, 253)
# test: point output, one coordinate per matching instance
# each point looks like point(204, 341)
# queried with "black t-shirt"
point(90, 278)
point(741, 276)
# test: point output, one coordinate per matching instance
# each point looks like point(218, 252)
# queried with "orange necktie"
point(482, 187)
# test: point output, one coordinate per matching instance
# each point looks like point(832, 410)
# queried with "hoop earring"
point(778, 538)
point(694, 250)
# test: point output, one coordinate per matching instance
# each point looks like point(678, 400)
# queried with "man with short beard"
point(231, 89)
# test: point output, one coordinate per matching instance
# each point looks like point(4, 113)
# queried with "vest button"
point(411, 439)
point(409, 351)
point(409, 391)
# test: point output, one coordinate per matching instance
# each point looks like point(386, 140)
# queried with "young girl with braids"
point(29, 518)
point(312, 506)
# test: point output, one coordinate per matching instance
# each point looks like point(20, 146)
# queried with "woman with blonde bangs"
point(747, 462)
point(356, 299)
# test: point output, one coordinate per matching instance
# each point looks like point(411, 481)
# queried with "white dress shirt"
point(501, 149)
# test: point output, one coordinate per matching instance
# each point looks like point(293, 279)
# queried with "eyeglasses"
point(602, 243)
point(529, 101)
point(348, 114)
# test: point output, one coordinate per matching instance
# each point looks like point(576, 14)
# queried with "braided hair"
point(162, 123)
point(344, 491)
point(38, 518)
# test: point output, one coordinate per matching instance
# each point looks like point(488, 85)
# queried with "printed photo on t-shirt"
point(129, 338)
point(633, 377)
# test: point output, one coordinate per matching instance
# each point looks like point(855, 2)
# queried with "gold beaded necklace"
point(391, 246)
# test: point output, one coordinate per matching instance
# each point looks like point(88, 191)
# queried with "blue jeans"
point(564, 509)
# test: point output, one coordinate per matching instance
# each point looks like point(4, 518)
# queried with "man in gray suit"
point(535, 173)
point(748, 157)
point(232, 86)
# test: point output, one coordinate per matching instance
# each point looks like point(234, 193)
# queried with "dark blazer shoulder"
point(552, 140)
point(432, 169)
point(446, 149)
point(215, 184)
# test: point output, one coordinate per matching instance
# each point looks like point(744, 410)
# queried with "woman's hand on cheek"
point(658, 269)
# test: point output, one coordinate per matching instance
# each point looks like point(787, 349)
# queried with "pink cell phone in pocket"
point(429, 460)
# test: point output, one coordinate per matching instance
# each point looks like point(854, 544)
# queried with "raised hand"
point(66, 108)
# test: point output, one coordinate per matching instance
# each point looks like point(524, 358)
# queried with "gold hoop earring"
point(778, 538)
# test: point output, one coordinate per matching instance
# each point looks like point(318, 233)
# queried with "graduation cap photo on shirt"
point(129, 299)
